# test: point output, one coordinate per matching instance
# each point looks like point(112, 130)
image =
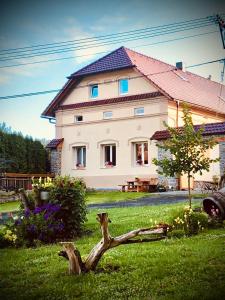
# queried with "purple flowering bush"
point(60, 217)
point(69, 193)
point(40, 224)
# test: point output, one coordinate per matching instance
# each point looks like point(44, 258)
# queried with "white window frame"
point(142, 153)
point(139, 111)
point(104, 162)
point(110, 114)
point(120, 81)
point(83, 162)
point(91, 87)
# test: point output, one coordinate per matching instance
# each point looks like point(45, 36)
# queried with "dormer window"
point(123, 86)
point(94, 91)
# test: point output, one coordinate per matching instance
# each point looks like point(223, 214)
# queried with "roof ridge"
point(204, 78)
point(164, 63)
point(152, 58)
point(100, 59)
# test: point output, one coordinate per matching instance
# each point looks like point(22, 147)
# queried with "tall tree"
point(21, 154)
point(188, 148)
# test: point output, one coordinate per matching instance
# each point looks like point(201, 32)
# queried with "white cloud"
point(109, 23)
point(76, 32)
point(4, 79)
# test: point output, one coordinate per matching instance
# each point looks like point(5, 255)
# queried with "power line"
point(99, 44)
point(101, 83)
point(206, 63)
point(211, 19)
point(103, 52)
point(79, 87)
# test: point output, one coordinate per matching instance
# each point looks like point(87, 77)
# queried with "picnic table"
point(140, 185)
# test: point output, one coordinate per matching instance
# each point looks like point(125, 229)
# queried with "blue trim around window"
point(94, 91)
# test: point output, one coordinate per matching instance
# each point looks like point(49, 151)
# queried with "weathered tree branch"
point(24, 199)
point(77, 266)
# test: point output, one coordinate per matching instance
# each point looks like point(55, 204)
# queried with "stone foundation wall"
point(172, 182)
point(222, 157)
point(55, 160)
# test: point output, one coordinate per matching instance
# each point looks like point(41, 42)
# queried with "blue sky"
point(24, 23)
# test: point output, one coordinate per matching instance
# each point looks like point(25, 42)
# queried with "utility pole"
point(221, 24)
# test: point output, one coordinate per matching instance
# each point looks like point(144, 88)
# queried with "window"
point(80, 157)
point(78, 118)
point(123, 86)
point(141, 153)
point(139, 111)
point(109, 155)
point(94, 91)
point(107, 114)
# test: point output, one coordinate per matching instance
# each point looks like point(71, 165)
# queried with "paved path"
point(153, 200)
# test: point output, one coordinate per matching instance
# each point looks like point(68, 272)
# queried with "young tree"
point(187, 147)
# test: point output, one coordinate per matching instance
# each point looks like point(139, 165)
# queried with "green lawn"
point(9, 206)
point(92, 197)
point(98, 197)
point(186, 268)
point(112, 196)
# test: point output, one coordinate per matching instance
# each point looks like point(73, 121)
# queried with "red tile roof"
point(174, 84)
point(180, 85)
point(54, 143)
point(111, 100)
point(209, 129)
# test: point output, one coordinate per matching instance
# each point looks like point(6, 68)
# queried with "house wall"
point(123, 130)
point(108, 89)
point(199, 116)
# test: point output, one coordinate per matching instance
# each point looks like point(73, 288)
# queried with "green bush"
point(40, 224)
point(7, 237)
point(189, 221)
point(58, 218)
point(69, 193)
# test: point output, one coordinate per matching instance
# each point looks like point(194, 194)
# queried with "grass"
point(186, 268)
point(9, 206)
point(112, 196)
point(94, 197)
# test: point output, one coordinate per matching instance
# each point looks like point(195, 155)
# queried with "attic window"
point(94, 91)
point(123, 86)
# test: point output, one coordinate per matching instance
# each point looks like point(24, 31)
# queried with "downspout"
point(177, 112)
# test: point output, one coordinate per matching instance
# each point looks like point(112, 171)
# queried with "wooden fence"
point(14, 181)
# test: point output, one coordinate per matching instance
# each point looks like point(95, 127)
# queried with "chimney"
point(179, 65)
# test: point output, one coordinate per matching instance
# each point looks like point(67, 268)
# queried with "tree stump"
point(77, 266)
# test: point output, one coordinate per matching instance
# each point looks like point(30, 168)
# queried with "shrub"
point(69, 193)
point(61, 216)
point(38, 224)
point(189, 221)
point(7, 237)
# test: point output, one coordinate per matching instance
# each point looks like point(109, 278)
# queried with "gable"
point(108, 85)
point(174, 84)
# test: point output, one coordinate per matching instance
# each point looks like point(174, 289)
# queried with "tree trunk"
point(189, 189)
point(77, 266)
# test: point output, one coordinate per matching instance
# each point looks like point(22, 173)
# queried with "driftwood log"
point(77, 266)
